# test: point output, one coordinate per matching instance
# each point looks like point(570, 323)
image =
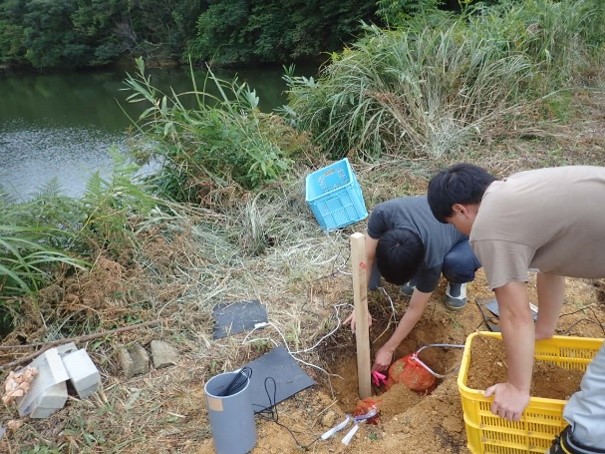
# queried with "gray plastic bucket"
point(231, 416)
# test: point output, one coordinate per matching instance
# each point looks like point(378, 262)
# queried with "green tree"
point(239, 31)
point(49, 36)
point(221, 32)
point(83, 33)
point(67, 33)
point(159, 28)
point(12, 49)
point(94, 23)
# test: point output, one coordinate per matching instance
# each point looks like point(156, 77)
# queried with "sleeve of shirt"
point(503, 261)
point(427, 279)
point(377, 224)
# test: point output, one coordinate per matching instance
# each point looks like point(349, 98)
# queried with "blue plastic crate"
point(334, 196)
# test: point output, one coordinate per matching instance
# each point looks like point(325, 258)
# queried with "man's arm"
point(551, 290)
point(511, 398)
point(418, 303)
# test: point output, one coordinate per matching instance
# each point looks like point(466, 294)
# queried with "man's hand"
point(351, 320)
point(509, 402)
point(383, 359)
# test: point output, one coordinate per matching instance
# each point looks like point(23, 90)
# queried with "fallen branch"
point(83, 338)
point(585, 319)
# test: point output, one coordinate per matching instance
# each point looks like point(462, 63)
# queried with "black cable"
point(238, 382)
point(270, 413)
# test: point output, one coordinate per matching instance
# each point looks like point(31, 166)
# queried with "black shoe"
point(564, 443)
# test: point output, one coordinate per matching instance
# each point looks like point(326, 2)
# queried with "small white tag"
point(347, 438)
point(338, 427)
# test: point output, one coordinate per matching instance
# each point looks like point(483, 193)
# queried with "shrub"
point(218, 144)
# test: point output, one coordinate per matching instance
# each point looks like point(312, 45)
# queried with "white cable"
point(327, 335)
point(391, 302)
point(264, 324)
point(428, 369)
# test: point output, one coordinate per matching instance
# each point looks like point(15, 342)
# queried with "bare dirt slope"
point(409, 422)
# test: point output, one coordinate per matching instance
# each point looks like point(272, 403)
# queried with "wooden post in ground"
point(360, 296)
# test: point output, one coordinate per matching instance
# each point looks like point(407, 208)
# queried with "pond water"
point(57, 129)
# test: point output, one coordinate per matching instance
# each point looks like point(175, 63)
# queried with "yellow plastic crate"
point(542, 419)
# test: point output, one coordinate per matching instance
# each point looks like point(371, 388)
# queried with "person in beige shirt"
point(550, 219)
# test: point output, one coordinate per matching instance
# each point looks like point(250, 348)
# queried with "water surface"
point(61, 126)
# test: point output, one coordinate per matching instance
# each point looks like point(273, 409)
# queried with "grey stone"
point(126, 362)
point(163, 354)
point(134, 360)
point(140, 357)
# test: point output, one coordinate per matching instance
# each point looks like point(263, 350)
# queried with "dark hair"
point(399, 254)
point(461, 183)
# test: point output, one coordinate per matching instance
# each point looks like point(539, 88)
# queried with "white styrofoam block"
point(66, 348)
point(56, 368)
point(53, 397)
point(87, 392)
point(82, 371)
point(52, 400)
point(41, 412)
point(51, 372)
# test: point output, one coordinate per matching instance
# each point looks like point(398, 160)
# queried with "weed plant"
point(111, 208)
point(27, 260)
point(428, 87)
point(221, 144)
point(54, 233)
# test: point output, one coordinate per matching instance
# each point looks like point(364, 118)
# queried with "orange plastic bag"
point(410, 372)
point(364, 406)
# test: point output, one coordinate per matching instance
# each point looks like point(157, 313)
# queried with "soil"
point(414, 422)
point(488, 366)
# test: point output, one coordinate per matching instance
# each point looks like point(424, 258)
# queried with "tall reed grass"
point(427, 88)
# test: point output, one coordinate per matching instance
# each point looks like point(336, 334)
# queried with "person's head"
point(399, 254)
point(454, 194)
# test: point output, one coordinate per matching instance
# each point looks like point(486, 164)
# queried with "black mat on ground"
point(492, 305)
point(289, 378)
point(232, 318)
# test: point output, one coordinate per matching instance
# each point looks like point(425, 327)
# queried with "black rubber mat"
point(492, 306)
point(232, 318)
point(275, 377)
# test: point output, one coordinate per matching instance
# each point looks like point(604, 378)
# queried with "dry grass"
point(268, 247)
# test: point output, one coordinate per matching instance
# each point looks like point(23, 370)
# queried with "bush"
point(218, 144)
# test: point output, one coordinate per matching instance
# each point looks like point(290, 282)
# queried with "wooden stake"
point(360, 296)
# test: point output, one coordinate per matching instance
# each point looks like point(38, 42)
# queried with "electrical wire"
point(238, 382)
point(270, 414)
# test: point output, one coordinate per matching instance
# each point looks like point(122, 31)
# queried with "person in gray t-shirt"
point(407, 246)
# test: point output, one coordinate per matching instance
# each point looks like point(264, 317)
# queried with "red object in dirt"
point(364, 406)
point(409, 371)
